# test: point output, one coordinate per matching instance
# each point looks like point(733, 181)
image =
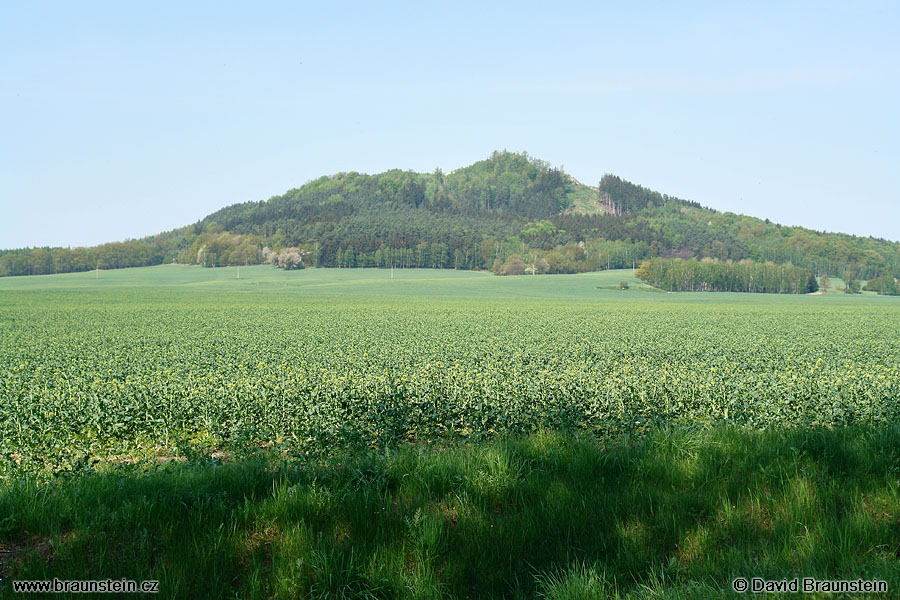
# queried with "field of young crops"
point(128, 368)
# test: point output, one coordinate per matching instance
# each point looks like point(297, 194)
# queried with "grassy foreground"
point(667, 515)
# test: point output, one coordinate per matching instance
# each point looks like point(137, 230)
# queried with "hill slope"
point(499, 213)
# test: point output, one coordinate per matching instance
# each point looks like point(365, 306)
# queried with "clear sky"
point(124, 119)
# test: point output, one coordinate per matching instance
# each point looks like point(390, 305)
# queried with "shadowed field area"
point(667, 515)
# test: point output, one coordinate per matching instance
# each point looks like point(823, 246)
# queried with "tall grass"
point(675, 514)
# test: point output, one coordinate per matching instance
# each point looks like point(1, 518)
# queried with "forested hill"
point(506, 213)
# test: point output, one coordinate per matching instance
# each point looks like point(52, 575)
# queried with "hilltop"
point(506, 213)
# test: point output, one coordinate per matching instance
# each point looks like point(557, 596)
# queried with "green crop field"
point(146, 359)
point(338, 380)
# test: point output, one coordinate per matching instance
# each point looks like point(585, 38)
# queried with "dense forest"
point(509, 213)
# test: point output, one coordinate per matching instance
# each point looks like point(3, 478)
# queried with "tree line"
point(709, 275)
point(884, 285)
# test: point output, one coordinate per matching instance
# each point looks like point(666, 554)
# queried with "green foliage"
point(539, 229)
point(620, 196)
point(852, 286)
point(513, 265)
point(813, 285)
point(884, 285)
point(116, 255)
point(216, 248)
point(679, 275)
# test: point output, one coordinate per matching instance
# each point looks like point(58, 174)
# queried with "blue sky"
point(124, 119)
